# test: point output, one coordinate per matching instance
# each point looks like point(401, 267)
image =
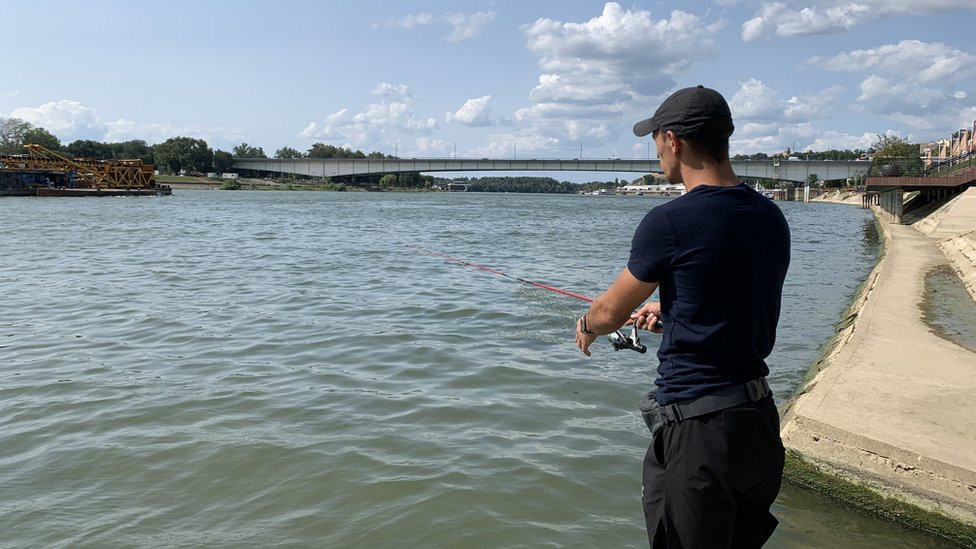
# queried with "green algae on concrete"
point(848, 486)
point(805, 474)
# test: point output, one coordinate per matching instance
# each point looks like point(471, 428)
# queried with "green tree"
point(183, 153)
point(136, 149)
point(246, 151)
point(42, 137)
point(894, 155)
point(86, 148)
point(223, 161)
point(12, 132)
point(287, 152)
point(321, 150)
point(388, 180)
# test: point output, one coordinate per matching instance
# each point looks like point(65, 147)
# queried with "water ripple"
point(256, 369)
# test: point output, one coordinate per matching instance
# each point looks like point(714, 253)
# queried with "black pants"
point(709, 481)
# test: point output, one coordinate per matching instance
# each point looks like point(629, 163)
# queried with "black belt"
point(719, 400)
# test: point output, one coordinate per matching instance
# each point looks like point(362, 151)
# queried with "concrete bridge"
point(783, 170)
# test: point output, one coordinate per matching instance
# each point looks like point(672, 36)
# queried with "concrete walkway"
point(893, 406)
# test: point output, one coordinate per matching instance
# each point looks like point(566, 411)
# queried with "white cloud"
point(61, 117)
point(474, 112)
point(966, 118)
point(924, 62)
point(822, 17)
point(772, 137)
point(594, 73)
point(812, 106)
point(70, 120)
point(415, 20)
point(462, 26)
point(385, 89)
point(467, 26)
point(378, 123)
point(429, 147)
point(911, 82)
point(523, 144)
point(842, 141)
point(756, 101)
point(125, 130)
point(767, 123)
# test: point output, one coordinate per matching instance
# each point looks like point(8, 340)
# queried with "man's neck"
point(713, 175)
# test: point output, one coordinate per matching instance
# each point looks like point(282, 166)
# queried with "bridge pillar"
point(892, 203)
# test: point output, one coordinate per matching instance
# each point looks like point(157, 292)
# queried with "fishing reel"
point(632, 342)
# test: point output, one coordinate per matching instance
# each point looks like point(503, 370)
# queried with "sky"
point(487, 78)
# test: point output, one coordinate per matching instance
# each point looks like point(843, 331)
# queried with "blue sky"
point(481, 78)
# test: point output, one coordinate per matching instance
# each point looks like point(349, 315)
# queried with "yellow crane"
point(109, 174)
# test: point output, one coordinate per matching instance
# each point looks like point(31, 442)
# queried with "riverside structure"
point(889, 407)
point(781, 169)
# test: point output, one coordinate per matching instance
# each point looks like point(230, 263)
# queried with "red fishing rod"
point(499, 273)
point(619, 340)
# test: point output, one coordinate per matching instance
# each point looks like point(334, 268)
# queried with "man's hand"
point(583, 340)
point(612, 309)
point(648, 317)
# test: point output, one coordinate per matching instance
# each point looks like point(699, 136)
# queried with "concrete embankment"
point(840, 197)
point(890, 405)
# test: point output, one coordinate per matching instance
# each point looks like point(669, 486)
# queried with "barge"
point(43, 172)
point(159, 190)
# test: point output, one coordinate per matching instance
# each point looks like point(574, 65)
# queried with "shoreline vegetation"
point(841, 478)
point(505, 184)
point(541, 185)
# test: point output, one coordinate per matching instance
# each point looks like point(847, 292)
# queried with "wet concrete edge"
point(852, 488)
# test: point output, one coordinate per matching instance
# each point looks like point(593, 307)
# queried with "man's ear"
point(674, 142)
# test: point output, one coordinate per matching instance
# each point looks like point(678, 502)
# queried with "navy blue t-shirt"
point(720, 255)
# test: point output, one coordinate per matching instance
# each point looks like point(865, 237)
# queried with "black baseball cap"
point(699, 114)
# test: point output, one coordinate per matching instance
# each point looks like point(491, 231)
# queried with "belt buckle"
point(672, 413)
point(757, 389)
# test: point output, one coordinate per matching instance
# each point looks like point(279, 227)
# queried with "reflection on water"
point(948, 308)
point(807, 520)
point(248, 369)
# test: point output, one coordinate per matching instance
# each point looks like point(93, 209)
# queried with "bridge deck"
point(785, 170)
point(913, 183)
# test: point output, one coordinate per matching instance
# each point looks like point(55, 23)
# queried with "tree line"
point(832, 154)
point(174, 156)
point(188, 155)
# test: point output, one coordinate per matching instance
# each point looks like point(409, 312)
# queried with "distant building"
point(654, 190)
point(961, 143)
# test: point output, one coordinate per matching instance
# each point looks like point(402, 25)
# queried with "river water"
point(255, 369)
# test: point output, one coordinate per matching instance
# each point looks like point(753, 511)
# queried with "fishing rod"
point(618, 339)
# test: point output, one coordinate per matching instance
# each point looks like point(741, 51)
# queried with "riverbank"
point(888, 407)
point(853, 198)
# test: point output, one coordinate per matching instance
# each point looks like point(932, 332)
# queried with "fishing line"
point(499, 273)
point(618, 339)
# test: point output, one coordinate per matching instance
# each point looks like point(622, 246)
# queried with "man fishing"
point(718, 254)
